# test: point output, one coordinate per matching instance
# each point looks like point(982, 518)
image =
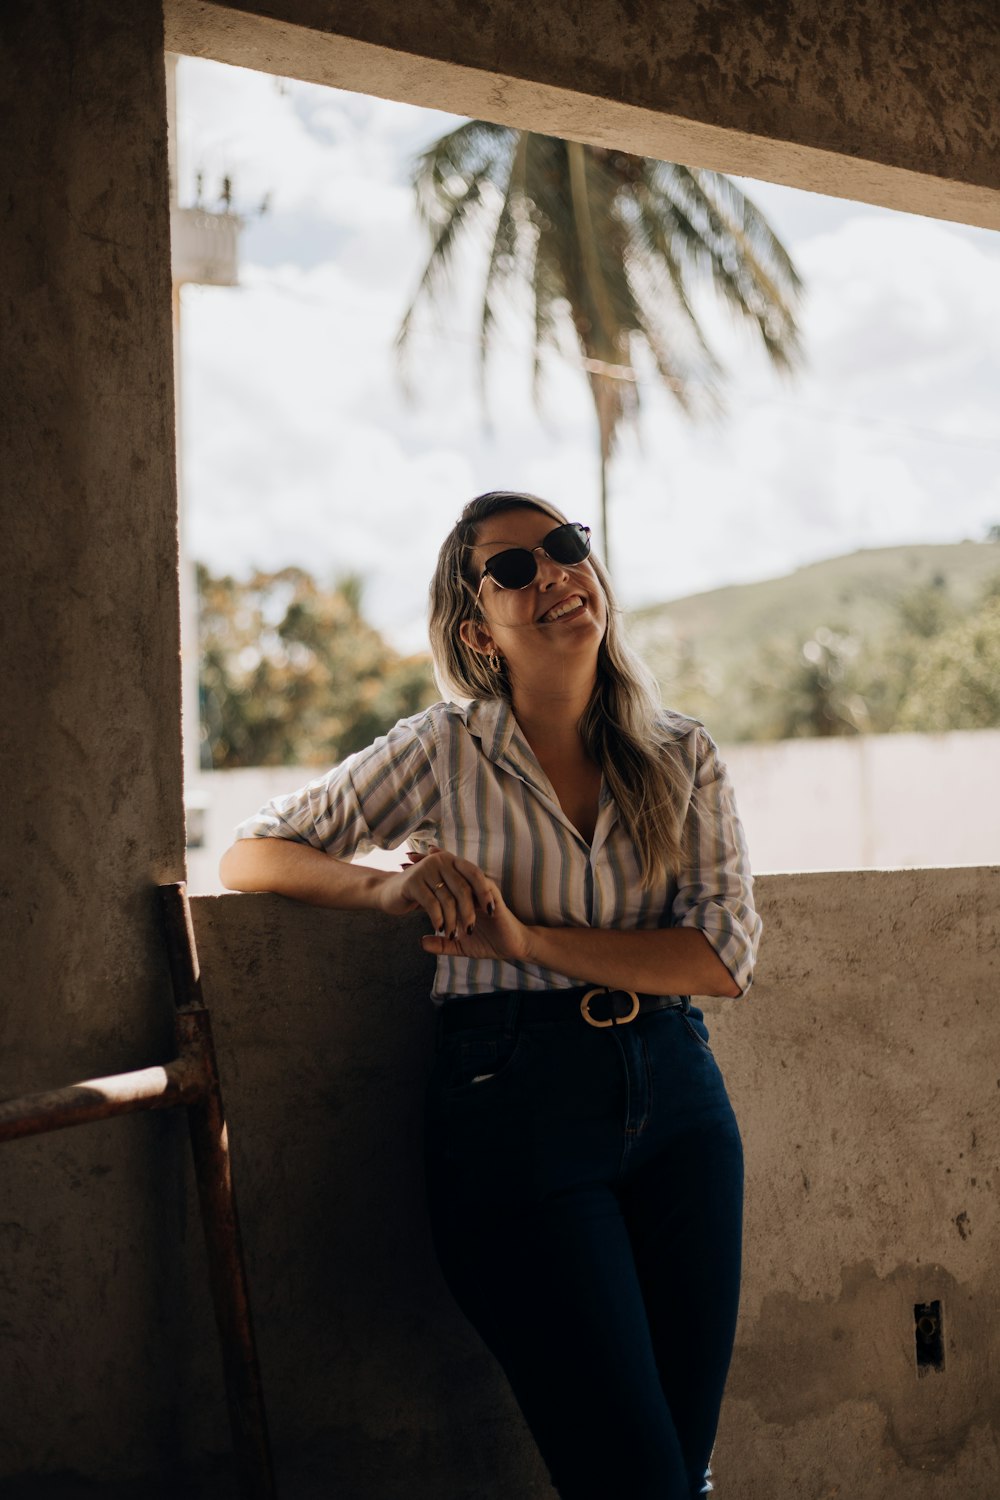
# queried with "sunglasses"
point(517, 567)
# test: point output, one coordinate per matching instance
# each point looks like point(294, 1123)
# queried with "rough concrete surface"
point(865, 1074)
point(374, 1386)
point(89, 732)
point(893, 104)
point(863, 1069)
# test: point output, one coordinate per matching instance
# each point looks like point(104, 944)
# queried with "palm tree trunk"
point(600, 385)
point(587, 240)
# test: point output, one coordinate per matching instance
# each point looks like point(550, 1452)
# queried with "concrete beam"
point(890, 104)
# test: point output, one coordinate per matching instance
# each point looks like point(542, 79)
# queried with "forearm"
point(302, 872)
point(665, 961)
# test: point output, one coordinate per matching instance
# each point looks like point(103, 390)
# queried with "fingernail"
point(470, 929)
point(453, 935)
point(490, 908)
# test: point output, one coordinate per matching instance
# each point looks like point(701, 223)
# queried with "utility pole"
point(204, 251)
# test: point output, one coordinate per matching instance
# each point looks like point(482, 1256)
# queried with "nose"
point(549, 572)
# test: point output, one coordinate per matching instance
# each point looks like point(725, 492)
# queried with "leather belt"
point(597, 1004)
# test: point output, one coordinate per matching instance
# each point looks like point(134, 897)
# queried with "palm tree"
point(611, 247)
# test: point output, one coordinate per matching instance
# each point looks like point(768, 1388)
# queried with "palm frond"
point(475, 149)
point(449, 180)
point(611, 248)
point(767, 282)
point(744, 261)
point(505, 259)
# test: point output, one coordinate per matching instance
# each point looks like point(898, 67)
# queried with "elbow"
point(724, 986)
point(232, 867)
point(719, 980)
point(226, 871)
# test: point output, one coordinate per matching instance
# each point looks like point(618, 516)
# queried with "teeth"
point(565, 608)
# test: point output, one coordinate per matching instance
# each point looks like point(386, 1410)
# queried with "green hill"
point(720, 654)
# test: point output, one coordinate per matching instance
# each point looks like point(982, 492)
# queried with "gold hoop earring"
point(495, 661)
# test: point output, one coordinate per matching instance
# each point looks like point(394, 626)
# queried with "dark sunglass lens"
point(513, 569)
point(568, 544)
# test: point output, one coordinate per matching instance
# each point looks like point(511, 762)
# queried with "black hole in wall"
point(929, 1336)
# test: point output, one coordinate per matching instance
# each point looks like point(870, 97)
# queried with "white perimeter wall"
point(874, 802)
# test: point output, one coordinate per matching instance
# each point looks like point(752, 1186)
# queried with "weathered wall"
point(89, 724)
point(868, 801)
point(864, 1071)
point(888, 103)
point(865, 1074)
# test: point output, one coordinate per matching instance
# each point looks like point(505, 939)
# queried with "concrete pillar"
point(90, 728)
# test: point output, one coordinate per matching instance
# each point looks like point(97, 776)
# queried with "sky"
point(301, 446)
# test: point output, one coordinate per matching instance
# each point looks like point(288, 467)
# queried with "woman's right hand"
point(449, 889)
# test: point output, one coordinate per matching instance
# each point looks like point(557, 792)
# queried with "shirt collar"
point(491, 721)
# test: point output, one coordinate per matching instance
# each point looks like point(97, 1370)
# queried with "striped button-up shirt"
point(465, 778)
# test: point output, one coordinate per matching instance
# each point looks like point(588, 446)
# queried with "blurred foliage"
point(292, 673)
point(930, 664)
point(956, 684)
point(808, 689)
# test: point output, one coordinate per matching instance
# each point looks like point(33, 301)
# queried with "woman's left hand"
point(500, 935)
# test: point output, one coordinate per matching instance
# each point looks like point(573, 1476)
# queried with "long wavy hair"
point(621, 727)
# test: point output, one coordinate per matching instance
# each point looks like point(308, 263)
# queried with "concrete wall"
point(863, 1068)
point(106, 1340)
point(875, 801)
point(888, 103)
point(90, 726)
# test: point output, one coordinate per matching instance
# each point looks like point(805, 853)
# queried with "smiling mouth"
point(564, 607)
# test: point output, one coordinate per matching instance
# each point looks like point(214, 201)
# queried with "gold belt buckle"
point(612, 1020)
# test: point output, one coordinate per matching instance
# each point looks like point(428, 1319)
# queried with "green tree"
point(956, 682)
point(807, 690)
point(612, 249)
point(292, 674)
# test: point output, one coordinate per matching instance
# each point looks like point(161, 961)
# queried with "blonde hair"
point(621, 726)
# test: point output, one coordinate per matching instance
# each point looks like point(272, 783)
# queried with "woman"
point(580, 859)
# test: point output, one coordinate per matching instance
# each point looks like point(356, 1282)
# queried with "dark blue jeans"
point(586, 1204)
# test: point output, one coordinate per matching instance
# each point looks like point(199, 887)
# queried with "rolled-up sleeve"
point(715, 886)
point(373, 800)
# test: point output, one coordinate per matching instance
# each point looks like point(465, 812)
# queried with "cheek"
point(508, 611)
point(597, 594)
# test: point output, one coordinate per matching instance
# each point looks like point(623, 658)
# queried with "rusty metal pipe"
point(178, 1082)
point(227, 1278)
point(220, 1221)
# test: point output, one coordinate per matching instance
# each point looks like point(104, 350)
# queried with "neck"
point(549, 717)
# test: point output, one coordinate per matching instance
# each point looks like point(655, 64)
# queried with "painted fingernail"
point(470, 929)
point(490, 908)
point(453, 935)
